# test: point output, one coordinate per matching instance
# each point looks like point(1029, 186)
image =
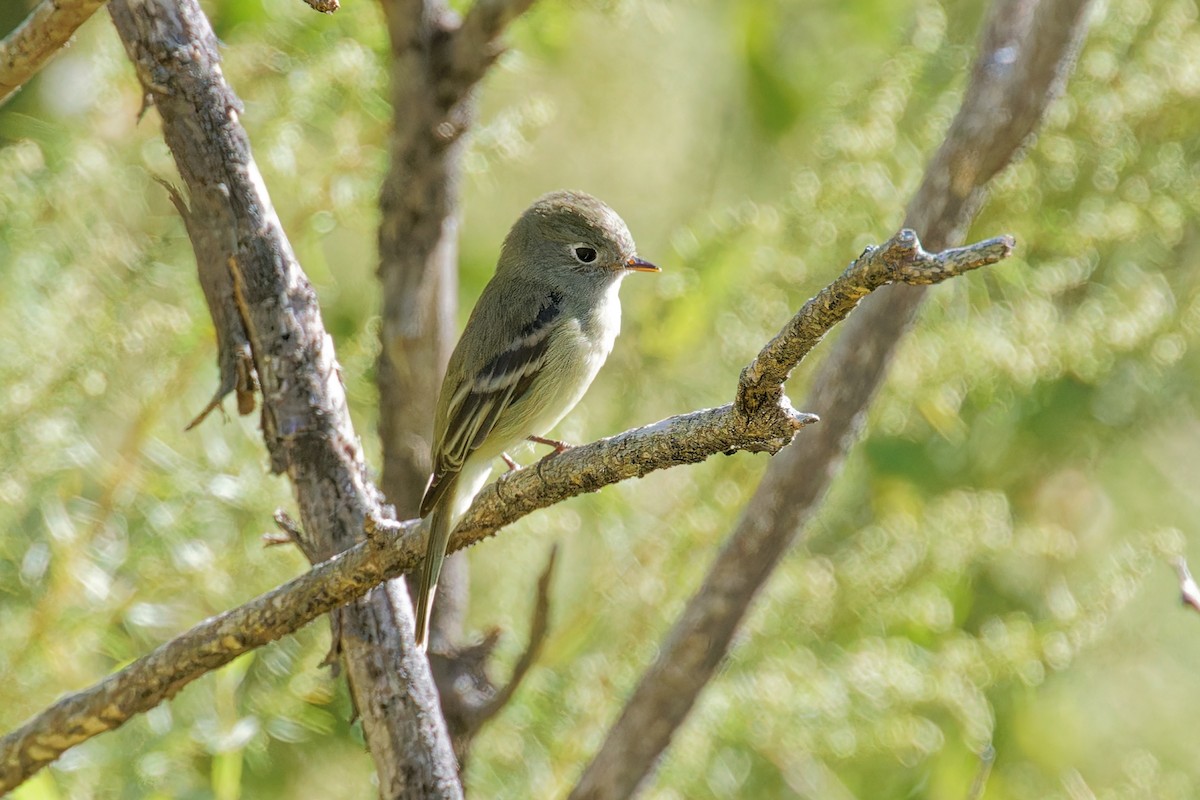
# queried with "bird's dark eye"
point(585, 254)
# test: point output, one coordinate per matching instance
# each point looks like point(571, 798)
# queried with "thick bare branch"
point(393, 548)
point(436, 62)
point(1026, 51)
point(305, 422)
point(418, 270)
point(38, 39)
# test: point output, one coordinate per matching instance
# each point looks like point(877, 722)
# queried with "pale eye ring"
point(584, 253)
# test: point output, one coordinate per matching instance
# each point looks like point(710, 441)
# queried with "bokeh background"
point(990, 567)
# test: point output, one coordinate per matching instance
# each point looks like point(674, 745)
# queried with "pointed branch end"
point(212, 406)
point(290, 531)
point(802, 419)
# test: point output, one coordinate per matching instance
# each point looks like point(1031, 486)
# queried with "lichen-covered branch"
point(38, 38)
point(901, 260)
point(391, 549)
point(159, 675)
point(324, 6)
point(1026, 52)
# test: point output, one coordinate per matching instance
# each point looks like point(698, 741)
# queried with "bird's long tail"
point(439, 535)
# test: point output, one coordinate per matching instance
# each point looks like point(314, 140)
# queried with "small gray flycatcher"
point(540, 331)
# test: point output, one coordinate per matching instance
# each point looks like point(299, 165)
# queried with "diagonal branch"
point(1026, 52)
point(48, 29)
point(538, 629)
point(38, 39)
point(898, 261)
point(394, 548)
point(473, 697)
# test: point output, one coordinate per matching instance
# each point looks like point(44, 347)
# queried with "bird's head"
point(573, 232)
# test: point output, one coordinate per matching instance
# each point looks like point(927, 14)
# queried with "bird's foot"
point(559, 446)
point(512, 465)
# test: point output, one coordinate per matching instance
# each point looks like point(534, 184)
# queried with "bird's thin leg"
point(509, 460)
point(559, 446)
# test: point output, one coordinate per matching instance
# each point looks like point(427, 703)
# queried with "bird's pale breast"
point(580, 345)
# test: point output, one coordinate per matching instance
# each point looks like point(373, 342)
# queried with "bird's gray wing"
point(478, 402)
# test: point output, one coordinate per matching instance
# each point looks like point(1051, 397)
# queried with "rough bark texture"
point(393, 548)
point(324, 6)
point(304, 418)
point(35, 41)
point(1026, 52)
point(211, 230)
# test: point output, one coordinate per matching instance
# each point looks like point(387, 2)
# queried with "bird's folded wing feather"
point(480, 400)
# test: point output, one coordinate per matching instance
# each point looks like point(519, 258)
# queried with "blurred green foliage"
point(989, 567)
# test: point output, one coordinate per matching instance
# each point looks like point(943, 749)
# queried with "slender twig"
point(38, 39)
point(538, 628)
point(469, 695)
point(393, 548)
point(208, 226)
point(290, 531)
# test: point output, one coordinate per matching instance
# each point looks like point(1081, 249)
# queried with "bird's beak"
point(636, 264)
